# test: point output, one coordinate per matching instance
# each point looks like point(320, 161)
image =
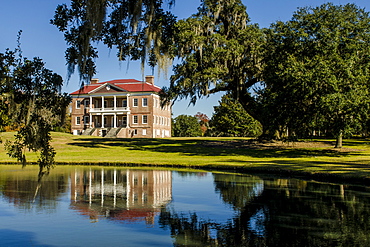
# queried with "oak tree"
point(31, 99)
point(220, 51)
point(138, 30)
point(317, 69)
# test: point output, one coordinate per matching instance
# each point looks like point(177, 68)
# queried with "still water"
point(107, 206)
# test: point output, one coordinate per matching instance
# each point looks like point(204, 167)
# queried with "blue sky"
point(40, 39)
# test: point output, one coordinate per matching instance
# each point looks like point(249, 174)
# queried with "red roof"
point(129, 85)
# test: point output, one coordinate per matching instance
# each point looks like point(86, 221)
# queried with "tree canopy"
point(317, 69)
point(220, 52)
point(230, 119)
point(186, 126)
point(31, 100)
point(139, 30)
point(309, 73)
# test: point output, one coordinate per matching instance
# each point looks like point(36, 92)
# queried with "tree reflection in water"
point(267, 211)
point(277, 212)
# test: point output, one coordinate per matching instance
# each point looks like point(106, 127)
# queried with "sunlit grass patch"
point(306, 156)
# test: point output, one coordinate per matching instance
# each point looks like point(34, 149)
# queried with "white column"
point(114, 188)
point(102, 103)
point(102, 187)
point(115, 102)
point(128, 188)
point(90, 187)
point(102, 120)
point(91, 102)
point(128, 113)
point(91, 120)
point(115, 120)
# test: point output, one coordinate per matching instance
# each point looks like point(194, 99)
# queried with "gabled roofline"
point(104, 85)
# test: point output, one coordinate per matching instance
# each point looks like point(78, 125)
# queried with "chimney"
point(149, 79)
point(94, 80)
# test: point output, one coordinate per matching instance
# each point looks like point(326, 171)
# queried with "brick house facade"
point(120, 108)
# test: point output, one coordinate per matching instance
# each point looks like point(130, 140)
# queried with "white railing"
point(109, 109)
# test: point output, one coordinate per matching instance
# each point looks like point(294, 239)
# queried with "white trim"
point(107, 84)
point(133, 119)
point(87, 105)
point(142, 119)
point(133, 102)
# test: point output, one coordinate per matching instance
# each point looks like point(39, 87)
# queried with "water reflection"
point(278, 212)
point(123, 195)
point(186, 208)
point(23, 189)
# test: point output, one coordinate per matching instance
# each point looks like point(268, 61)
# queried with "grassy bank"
point(314, 158)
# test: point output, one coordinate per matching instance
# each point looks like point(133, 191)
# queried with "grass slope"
point(314, 158)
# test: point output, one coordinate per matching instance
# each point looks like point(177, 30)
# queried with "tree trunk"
point(338, 143)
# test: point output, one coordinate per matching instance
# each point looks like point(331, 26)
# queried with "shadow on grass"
point(208, 147)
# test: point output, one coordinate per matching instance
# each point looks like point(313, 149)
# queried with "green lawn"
point(315, 158)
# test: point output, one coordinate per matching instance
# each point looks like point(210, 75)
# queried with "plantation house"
point(120, 108)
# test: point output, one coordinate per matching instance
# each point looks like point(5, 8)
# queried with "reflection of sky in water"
point(256, 223)
point(197, 194)
point(54, 220)
point(65, 227)
point(258, 188)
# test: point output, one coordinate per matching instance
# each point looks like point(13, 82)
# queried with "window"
point(135, 102)
point(87, 103)
point(105, 104)
point(135, 119)
point(112, 103)
point(145, 119)
point(144, 132)
point(78, 120)
point(124, 103)
point(78, 104)
point(86, 120)
point(124, 121)
point(145, 102)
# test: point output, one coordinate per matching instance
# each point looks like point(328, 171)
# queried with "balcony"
point(110, 110)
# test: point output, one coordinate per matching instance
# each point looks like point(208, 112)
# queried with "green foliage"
point(308, 74)
point(186, 126)
point(139, 30)
point(31, 100)
point(230, 119)
point(219, 51)
point(317, 70)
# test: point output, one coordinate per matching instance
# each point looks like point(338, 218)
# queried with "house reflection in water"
point(120, 195)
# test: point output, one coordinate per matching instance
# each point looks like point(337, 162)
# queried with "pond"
point(114, 206)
